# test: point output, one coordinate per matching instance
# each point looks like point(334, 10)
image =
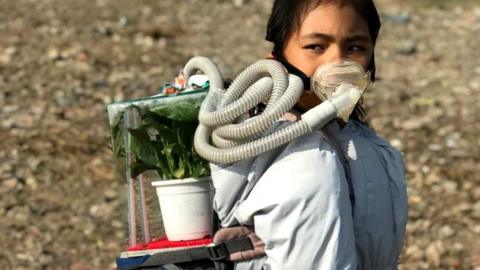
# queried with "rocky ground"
point(62, 61)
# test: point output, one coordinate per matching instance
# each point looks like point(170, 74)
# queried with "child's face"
point(329, 33)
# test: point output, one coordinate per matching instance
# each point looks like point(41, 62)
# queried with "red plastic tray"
point(163, 243)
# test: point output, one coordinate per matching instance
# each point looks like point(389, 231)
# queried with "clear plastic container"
point(152, 138)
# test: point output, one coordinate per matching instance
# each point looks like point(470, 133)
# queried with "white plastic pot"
point(186, 207)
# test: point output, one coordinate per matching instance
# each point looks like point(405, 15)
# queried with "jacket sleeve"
point(301, 209)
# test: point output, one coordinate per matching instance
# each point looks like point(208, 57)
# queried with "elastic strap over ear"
point(292, 69)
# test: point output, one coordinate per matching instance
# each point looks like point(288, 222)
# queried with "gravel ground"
point(62, 61)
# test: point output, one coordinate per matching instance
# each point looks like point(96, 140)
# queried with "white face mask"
point(333, 79)
point(328, 77)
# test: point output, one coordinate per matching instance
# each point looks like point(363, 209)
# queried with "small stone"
point(414, 199)
point(414, 252)
point(441, 161)
point(446, 231)
point(452, 139)
point(476, 193)
point(54, 54)
point(434, 252)
point(450, 187)
point(123, 22)
point(117, 224)
point(117, 76)
point(146, 59)
point(120, 234)
point(425, 169)
point(412, 167)
point(22, 256)
point(414, 123)
point(407, 47)
point(10, 50)
point(101, 210)
point(105, 30)
point(31, 183)
point(474, 84)
point(116, 38)
point(33, 162)
point(6, 56)
point(397, 144)
point(476, 210)
point(435, 147)
point(476, 11)
point(88, 229)
point(458, 247)
point(467, 186)
point(95, 211)
point(110, 194)
point(10, 183)
point(5, 59)
point(238, 3)
point(464, 207)
point(45, 259)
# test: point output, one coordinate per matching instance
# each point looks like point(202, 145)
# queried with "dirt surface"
point(62, 61)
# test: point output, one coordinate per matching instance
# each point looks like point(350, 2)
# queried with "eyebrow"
point(330, 38)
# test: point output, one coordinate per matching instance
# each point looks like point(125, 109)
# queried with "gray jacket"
point(297, 198)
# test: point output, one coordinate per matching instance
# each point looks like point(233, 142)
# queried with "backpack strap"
point(330, 138)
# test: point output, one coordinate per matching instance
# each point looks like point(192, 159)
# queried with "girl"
point(332, 199)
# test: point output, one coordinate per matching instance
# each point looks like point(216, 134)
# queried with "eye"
point(356, 48)
point(315, 47)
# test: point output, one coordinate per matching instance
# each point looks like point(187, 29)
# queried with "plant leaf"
point(143, 148)
point(162, 141)
point(180, 111)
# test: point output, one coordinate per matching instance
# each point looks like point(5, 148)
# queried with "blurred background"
point(62, 61)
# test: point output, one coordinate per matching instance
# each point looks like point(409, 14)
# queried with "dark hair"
point(288, 15)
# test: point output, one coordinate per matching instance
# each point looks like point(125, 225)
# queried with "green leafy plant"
point(161, 140)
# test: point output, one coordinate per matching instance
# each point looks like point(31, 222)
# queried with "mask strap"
point(293, 70)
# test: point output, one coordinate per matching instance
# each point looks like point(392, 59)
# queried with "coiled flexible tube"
point(220, 116)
